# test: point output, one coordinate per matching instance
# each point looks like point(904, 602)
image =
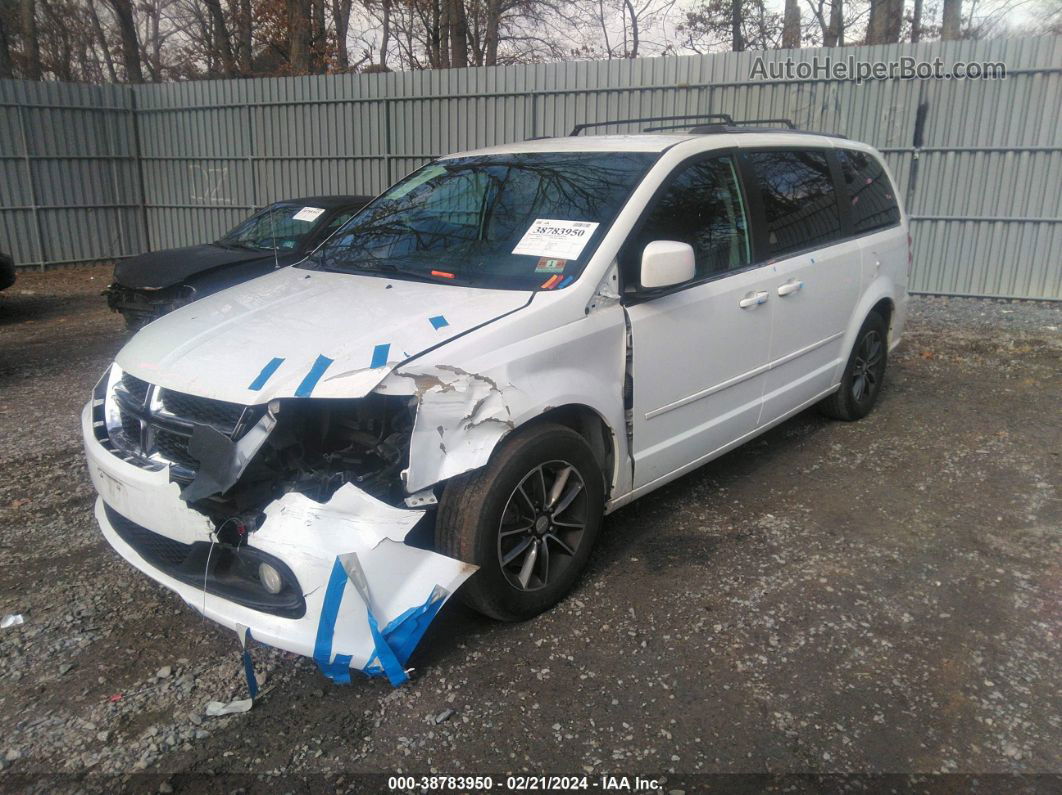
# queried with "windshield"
point(281, 226)
point(520, 221)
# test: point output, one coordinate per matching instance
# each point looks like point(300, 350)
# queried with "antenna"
point(273, 237)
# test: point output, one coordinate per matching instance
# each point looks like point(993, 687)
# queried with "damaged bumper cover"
point(353, 595)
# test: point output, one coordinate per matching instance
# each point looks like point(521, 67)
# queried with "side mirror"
point(667, 262)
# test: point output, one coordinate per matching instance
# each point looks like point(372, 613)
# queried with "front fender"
point(464, 411)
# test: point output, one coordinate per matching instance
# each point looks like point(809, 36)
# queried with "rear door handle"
point(790, 287)
point(753, 300)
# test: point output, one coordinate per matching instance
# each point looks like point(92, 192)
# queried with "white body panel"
point(709, 370)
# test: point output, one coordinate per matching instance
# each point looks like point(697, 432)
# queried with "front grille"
point(220, 569)
point(135, 387)
point(174, 447)
point(154, 425)
point(220, 414)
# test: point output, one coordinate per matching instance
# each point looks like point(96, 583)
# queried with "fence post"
point(387, 144)
point(139, 163)
point(28, 162)
point(251, 156)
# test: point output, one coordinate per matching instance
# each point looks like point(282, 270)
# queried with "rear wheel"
point(528, 520)
point(863, 375)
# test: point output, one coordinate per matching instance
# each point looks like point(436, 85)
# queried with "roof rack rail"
point(717, 127)
point(785, 122)
point(725, 118)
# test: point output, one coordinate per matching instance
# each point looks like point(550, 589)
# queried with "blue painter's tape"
point(565, 282)
point(248, 665)
point(266, 373)
point(313, 376)
point(404, 633)
point(379, 355)
point(396, 674)
point(337, 670)
point(438, 322)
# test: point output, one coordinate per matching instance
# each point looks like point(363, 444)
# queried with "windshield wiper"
point(384, 269)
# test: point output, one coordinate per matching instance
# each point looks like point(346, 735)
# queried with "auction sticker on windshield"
point(308, 214)
point(557, 239)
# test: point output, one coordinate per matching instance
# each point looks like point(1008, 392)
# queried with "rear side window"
point(703, 207)
point(873, 201)
point(799, 200)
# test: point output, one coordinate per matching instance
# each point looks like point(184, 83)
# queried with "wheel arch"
point(878, 297)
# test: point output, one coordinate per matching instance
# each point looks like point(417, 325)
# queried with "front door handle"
point(753, 300)
point(790, 287)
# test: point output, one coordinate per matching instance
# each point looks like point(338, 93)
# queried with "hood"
point(302, 333)
point(159, 269)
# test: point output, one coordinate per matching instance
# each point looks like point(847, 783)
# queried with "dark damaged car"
point(7, 271)
point(148, 286)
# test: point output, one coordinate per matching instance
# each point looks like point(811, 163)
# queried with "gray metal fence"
point(103, 172)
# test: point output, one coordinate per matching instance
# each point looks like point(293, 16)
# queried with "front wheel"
point(863, 375)
point(528, 520)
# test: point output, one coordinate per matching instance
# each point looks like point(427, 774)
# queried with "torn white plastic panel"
point(461, 415)
point(464, 412)
point(406, 586)
point(398, 587)
point(305, 333)
point(349, 514)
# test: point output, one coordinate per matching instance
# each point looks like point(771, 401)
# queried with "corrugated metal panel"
point(983, 187)
point(68, 173)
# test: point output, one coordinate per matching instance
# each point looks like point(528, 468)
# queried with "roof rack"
point(718, 123)
point(725, 118)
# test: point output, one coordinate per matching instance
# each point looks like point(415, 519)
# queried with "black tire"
point(475, 506)
point(863, 374)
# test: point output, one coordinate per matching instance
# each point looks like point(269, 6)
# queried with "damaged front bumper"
point(353, 595)
point(141, 305)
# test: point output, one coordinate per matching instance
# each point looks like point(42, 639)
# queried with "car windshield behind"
point(280, 226)
point(517, 221)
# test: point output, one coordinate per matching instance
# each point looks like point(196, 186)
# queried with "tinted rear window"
point(799, 201)
point(869, 191)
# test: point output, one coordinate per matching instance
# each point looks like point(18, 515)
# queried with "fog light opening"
point(270, 578)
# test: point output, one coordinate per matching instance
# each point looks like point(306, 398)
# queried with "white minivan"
point(464, 379)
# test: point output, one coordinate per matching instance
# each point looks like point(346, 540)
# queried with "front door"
point(700, 352)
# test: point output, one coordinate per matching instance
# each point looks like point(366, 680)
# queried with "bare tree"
point(458, 33)
point(886, 20)
point(31, 45)
point(7, 63)
point(101, 41)
point(736, 25)
point(341, 20)
point(834, 33)
point(245, 38)
point(123, 13)
point(298, 12)
point(222, 39)
point(791, 25)
point(952, 20)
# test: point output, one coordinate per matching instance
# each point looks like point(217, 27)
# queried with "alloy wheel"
point(866, 372)
point(542, 525)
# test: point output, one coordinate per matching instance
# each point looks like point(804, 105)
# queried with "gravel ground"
point(882, 596)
